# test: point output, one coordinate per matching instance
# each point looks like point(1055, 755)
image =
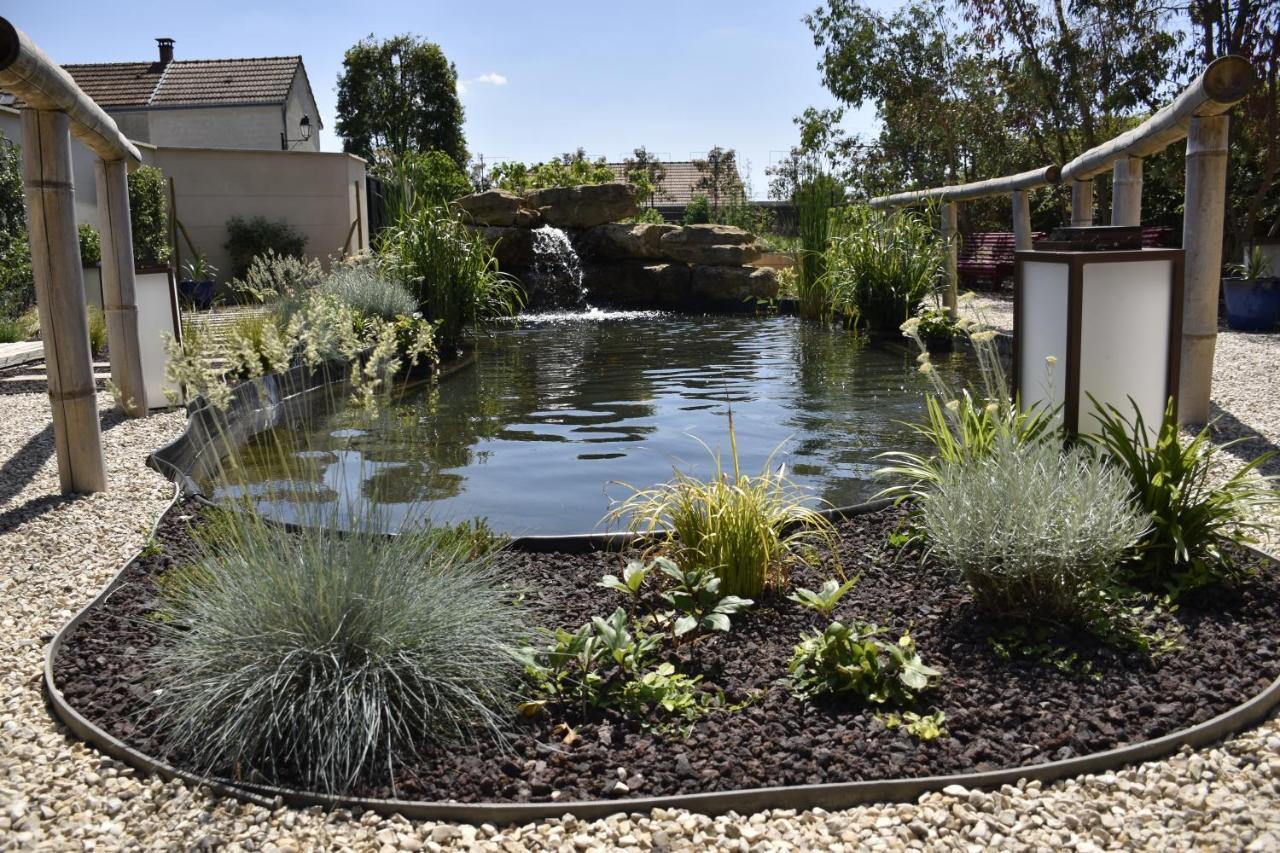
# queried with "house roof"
point(679, 185)
point(192, 82)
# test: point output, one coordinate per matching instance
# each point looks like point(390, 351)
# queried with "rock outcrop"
point(498, 208)
point(618, 240)
point(512, 246)
point(720, 245)
point(585, 206)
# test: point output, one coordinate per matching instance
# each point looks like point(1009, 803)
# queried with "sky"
point(538, 78)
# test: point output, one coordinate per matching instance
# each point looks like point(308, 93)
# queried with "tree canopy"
point(399, 95)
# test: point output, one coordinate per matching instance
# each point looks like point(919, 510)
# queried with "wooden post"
point(59, 281)
point(1126, 191)
point(360, 241)
point(1082, 203)
point(119, 301)
point(176, 256)
point(1204, 211)
point(1021, 220)
point(950, 296)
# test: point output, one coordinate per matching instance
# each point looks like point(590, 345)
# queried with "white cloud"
point(462, 86)
point(493, 78)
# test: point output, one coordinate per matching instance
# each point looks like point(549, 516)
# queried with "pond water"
point(557, 413)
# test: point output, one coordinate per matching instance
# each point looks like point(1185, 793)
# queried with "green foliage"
point(936, 323)
point(746, 529)
point(248, 239)
point(587, 666)
point(824, 601)
point(199, 269)
point(90, 245)
point(1173, 481)
point(360, 285)
point(417, 179)
point(271, 277)
point(451, 271)
point(399, 95)
point(17, 282)
point(328, 660)
point(667, 692)
point(1036, 533)
point(149, 216)
point(633, 578)
point(852, 660)
point(648, 174)
point(814, 198)
point(718, 177)
point(880, 267)
point(695, 595)
point(566, 170)
point(1254, 268)
point(24, 327)
point(649, 215)
point(924, 727)
point(97, 329)
point(739, 212)
point(697, 211)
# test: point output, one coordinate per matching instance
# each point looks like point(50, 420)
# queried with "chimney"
point(166, 50)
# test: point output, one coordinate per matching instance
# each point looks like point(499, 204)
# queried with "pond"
point(559, 412)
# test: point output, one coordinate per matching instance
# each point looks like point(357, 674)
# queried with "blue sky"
point(539, 77)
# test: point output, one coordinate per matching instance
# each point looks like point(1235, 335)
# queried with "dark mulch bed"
point(1000, 713)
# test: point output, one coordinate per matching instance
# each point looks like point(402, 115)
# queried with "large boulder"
point(617, 240)
point(732, 286)
point(497, 208)
point(585, 206)
point(636, 284)
point(512, 246)
point(711, 245)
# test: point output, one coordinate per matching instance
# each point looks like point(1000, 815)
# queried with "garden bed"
point(1006, 706)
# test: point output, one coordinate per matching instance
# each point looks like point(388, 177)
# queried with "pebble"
point(59, 794)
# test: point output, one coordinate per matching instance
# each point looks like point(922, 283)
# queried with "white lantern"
point(1106, 324)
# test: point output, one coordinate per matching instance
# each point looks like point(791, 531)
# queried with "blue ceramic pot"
point(1252, 306)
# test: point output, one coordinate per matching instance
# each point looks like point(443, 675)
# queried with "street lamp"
point(304, 134)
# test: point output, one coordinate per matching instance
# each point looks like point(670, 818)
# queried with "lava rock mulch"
point(1001, 710)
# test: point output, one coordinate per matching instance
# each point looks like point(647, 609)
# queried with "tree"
point(400, 94)
point(567, 170)
point(647, 172)
point(718, 176)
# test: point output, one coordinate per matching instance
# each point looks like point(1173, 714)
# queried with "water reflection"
point(555, 412)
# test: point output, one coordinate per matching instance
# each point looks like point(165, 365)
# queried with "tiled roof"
point(678, 185)
point(264, 80)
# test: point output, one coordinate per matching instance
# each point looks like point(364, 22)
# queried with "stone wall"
point(631, 265)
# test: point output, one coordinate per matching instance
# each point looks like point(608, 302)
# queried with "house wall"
point(301, 103)
point(312, 191)
point(253, 127)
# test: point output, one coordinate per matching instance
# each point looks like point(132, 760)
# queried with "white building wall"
point(301, 103)
point(248, 127)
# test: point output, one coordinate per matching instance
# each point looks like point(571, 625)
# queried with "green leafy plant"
point(745, 529)
point(587, 666)
point(853, 660)
point(23, 327)
point(1191, 516)
point(633, 578)
point(249, 239)
point(97, 329)
point(420, 179)
point(648, 215)
point(199, 269)
point(272, 277)
point(936, 323)
point(90, 245)
point(326, 659)
point(695, 594)
point(667, 692)
point(1037, 533)
point(451, 271)
point(1254, 268)
point(697, 211)
point(824, 601)
point(923, 727)
point(149, 216)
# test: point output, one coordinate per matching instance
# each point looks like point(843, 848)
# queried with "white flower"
point(926, 368)
point(993, 408)
point(922, 358)
point(966, 298)
point(983, 336)
point(910, 327)
point(1051, 360)
point(953, 405)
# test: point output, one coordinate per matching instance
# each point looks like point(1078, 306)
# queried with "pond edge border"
point(830, 796)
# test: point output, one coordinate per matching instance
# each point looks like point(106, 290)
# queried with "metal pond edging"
point(831, 795)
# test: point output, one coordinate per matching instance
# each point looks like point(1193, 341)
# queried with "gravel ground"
point(56, 793)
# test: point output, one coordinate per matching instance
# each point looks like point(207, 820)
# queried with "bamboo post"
point(1021, 220)
point(1126, 191)
point(1204, 211)
point(950, 296)
point(174, 262)
point(1082, 203)
point(59, 281)
point(119, 301)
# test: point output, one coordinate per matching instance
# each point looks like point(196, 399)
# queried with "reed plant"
point(879, 266)
point(97, 319)
point(313, 658)
point(746, 529)
point(814, 201)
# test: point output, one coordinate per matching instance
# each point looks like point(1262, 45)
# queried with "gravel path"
point(56, 793)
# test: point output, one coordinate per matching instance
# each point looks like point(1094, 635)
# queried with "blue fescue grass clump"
point(326, 659)
point(362, 287)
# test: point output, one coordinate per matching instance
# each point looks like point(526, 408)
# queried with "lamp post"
point(304, 134)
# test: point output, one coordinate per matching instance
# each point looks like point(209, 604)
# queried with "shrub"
point(880, 267)
point(451, 271)
point(329, 659)
point(360, 286)
point(1172, 481)
point(746, 529)
point(247, 239)
point(149, 216)
point(90, 245)
point(649, 215)
point(421, 178)
point(271, 277)
point(1036, 533)
point(853, 660)
point(697, 211)
point(739, 212)
point(17, 282)
point(23, 327)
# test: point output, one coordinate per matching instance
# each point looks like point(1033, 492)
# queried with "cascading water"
point(554, 280)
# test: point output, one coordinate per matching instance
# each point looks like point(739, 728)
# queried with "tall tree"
point(718, 176)
point(647, 172)
point(399, 94)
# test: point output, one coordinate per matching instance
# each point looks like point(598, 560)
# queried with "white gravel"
point(56, 793)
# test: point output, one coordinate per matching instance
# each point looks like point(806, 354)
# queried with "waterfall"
point(554, 279)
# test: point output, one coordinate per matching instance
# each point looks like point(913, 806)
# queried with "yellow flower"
point(983, 336)
point(993, 408)
point(926, 368)
point(922, 358)
point(966, 298)
point(910, 326)
point(1051, 360)
point(953, 405)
